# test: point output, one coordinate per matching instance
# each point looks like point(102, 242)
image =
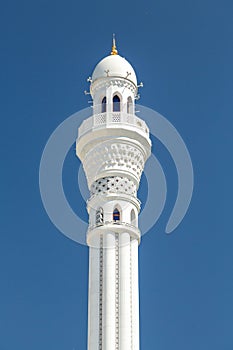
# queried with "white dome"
point(114, 66)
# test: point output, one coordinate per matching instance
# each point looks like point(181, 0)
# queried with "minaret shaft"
point(113, 294)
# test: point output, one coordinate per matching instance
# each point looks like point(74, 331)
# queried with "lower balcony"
point(112, 226)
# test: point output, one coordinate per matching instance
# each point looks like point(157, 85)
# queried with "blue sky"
point(183, 52)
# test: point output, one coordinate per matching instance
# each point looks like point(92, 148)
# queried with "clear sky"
point(183, 52)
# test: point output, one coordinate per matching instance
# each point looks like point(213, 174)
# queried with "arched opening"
point(116, 103)
point(133, 217)
point(103, 105)
point(116, 215)
point(99, 217)
point(129, 105)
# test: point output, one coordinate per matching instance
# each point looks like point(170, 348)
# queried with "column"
point(93, 299)
point(109, 291)
point(125, 294)
point(135, 294)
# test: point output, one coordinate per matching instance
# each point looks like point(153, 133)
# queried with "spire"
point(114, 49)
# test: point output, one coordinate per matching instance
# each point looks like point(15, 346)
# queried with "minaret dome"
point(114, 66)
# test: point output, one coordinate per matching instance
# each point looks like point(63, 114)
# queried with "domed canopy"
point(114, 66)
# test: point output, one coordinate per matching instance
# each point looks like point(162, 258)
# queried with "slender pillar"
point(109, 292)
point(94, 298)
point(135, 294)
point(125, 292)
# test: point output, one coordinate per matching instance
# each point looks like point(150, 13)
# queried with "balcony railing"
point(112, 118)
point(119, 223)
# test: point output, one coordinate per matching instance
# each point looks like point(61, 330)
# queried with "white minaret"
point(113, 145)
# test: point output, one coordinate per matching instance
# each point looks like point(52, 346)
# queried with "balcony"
point(113, 119)
point(114, 226)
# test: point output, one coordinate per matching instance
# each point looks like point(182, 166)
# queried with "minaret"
point(113, 146)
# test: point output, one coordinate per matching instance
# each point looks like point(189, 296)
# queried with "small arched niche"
point(133, 219)
point(99, 217)
point(116, 103)
point(116, 215)
point(129, 105)
point(103, 105)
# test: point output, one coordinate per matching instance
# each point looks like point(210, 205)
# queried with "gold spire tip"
point(114, 49)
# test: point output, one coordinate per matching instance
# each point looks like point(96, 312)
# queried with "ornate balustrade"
point(118, 223)
point(112, 118)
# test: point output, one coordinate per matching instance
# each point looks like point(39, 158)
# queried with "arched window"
point(133, 217)
point(103, 106)
point(116, 103)
point(129, 105)
point(99, 217)
point(116, 215)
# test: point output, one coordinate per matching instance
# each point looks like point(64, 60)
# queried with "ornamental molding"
point(107, 82)
point(119, 158)
point(113, 184)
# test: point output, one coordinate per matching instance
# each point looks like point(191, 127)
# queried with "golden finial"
point(114, 49)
